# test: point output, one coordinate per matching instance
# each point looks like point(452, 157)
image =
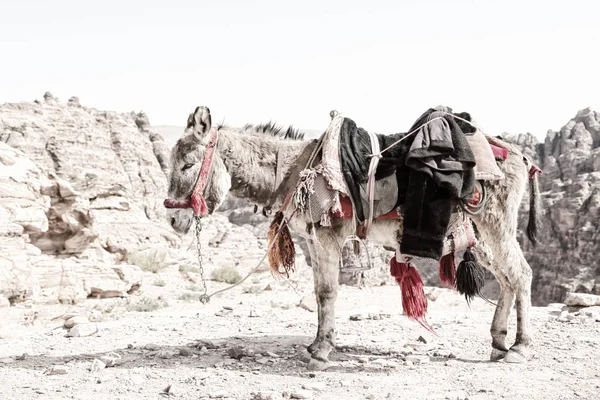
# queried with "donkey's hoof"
point(311, 348)
point(497, 355)
point(514, 357)
point(318, 365)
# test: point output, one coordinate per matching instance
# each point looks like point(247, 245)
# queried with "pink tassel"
point(448, 270)
point(414, 301)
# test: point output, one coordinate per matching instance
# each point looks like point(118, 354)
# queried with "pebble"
point(238, 352)
point(254, 313)
point(316, 386)
point(270, 354)
point(582, 299)
point(301, 394)
point(6, 360)
point(308, 303)
point(151, 347)
point(56, 370)
point(262, 360)
point(166, 354)
point(83, 330)
point(111, 359)
point(415, 359)
point(185, 352)
point(97, 365)
point(211, 344)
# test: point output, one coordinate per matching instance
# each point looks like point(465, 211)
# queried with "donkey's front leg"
point(325, 262)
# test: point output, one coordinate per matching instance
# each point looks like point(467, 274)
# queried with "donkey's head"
point(199, 181)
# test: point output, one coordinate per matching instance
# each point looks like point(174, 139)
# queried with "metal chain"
point(204, 298)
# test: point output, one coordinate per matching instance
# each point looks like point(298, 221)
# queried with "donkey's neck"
point(251, 160)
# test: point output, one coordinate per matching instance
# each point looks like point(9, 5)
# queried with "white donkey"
point(208, 162)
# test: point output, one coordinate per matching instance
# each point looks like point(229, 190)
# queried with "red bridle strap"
point(196, 201)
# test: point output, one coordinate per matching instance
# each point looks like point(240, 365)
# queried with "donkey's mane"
point(272, 129)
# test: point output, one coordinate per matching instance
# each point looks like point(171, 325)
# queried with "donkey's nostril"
point(172, 221)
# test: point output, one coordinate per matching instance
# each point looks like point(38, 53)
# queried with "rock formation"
point(567, 259)
point(79, 189)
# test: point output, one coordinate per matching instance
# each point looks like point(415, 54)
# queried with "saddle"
point(435, 152)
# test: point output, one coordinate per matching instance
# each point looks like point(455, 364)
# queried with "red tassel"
point(397, 270)
point(448, 270)
point(414, 301)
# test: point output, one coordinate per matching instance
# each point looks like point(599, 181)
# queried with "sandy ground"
point(184, 350)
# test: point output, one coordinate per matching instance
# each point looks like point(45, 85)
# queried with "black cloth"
point(430, 175)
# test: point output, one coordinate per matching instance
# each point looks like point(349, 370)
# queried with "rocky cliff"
point(567, 259)
point(79, 189)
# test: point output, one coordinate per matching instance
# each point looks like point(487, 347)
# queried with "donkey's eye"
point(187, 166)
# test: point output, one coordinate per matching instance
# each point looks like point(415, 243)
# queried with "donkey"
point(250, 166)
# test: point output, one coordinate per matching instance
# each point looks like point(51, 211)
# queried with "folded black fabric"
point(433, 167)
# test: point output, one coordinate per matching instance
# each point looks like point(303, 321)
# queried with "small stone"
point(166, 354)
point(262, 360)
point(301, 394)
point(6, 360)
point(21, 357)
point(168, 391)
point(97, 365)
point(582, 299)
point(357, 317)
point(151, 347)
point(78, 320)
point(422, 339)
point(185, 352)
point(268, 288)
point(254, 313)
point(111, 359)
point(83, 330)
point(56, 370)
point(227, 308)
point(211, 344)
point(237, 352)
point(563, 317)
point(218, 395)
point(308, 303)
point(362, 359)
point(316, 386)
point(415, 359)
point(270, 354)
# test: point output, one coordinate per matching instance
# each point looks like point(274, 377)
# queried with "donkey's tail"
point(534, 209)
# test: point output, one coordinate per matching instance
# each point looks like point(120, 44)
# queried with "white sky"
point(516, 66)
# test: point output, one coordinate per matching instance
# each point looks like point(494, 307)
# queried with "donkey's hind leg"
point(325, 263)
point(499, 328)
point(514, 275)
point(518, 351)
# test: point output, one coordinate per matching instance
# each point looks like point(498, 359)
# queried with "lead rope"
point(204, 297)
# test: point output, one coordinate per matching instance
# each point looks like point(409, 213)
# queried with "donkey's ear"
point(200, 122)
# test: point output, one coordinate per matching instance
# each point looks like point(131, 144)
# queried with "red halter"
point(196, 200)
